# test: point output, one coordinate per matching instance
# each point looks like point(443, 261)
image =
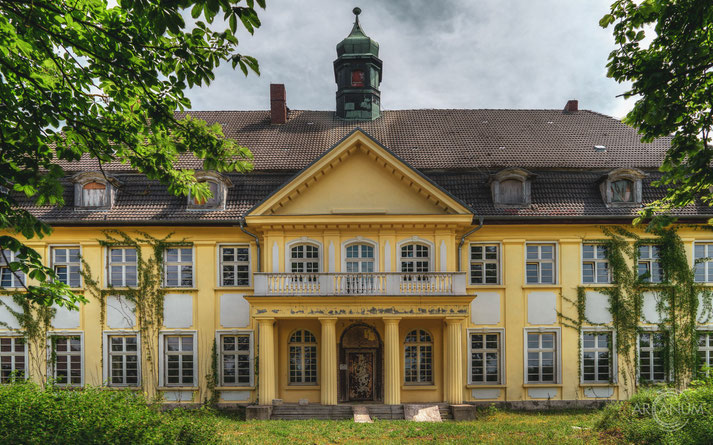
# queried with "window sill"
point(542, 385)
point(243, 288)
point(485, 386)
point(485, 286)
point(187, 289)
point(542, 286)
point(235, 388)
point(597, 385)
point(121, 388)
point(419, 387)
point(302, 387)
point(596, 285)
point(177, 388)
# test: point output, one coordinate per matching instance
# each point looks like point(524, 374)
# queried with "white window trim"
point(15, 275)
point(558, 354)
point(614, 359)
point(162, 355)
point(700, 328)
point(105, 361)
point(220, 333)
point(648, 329)
point(651, 261)
point(501, 272)
point(50, 369)
point(418, 240)
point(693, 259)
point(27, 357)
point(360, 240)
point(303, 240)
point(219, 263)
point(594, 260)
point(106, 252)
point(318, 345)
point(193, 268)
point(503, 356)
point(555, 268)
point(50, 260)
point(419, 344)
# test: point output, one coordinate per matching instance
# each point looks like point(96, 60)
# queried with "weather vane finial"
point(356, 12)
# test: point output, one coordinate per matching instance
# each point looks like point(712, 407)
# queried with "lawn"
point(501, 427)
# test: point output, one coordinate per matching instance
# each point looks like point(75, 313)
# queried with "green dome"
point(357, 42)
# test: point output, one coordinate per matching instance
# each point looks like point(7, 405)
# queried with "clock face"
point(358, 78)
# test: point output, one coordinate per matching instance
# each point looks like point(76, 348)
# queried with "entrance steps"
point(347, 412)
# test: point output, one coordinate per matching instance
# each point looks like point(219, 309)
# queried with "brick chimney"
point(278, 103)
point(572, 106)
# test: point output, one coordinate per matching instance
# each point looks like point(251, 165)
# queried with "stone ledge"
point(463, 412)
point(258, 412)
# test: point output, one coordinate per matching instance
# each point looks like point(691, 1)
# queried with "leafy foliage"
point(672, 75)
point(81, 79)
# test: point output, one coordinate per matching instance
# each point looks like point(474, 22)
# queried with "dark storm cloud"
point(437, 54)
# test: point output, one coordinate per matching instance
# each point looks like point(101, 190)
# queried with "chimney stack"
point(572, 106)
point(278, 103)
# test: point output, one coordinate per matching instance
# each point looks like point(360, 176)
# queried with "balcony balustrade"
point(378, 283)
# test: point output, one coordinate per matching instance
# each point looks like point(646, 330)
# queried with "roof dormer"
point(218, 185)
point(622, 187)
point(511, 187)
point(93, 191)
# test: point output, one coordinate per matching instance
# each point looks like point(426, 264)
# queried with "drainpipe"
point(257, 243)
point(466, 235)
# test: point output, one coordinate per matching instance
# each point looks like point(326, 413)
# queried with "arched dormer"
point(511, 187)
point(93, 191)
point(622, 187)
point(218, 185)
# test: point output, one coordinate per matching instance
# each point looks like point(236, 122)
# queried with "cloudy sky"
point(436, 54)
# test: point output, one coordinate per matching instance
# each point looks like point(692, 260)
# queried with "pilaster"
point(328, 395)
point(266, 360)
point(392, 368)
point(454, 361)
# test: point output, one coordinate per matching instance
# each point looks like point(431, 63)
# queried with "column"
point(392, 362)
point(328, 395)
point(454, 361)
point(266, 361)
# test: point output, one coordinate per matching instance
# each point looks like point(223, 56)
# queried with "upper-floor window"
point(360, 258)
point(484, 264)
point(92, 190)
point(304, 258)
point(622, 187)
point(178, 267)
point(595, 265)
point(418, 358)
point(67, 264)
point(415, 258)
point(122, 267)
point(234, 265)
point(217, 184)
point(511, 187)
point(358, 78)
point(540, 263)
point(649, 266)
point(303, 358)
point(8, 277)
point(704, 266)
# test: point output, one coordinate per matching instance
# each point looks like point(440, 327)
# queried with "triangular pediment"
point(358, 176)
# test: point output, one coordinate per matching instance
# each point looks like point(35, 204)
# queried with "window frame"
point(307, 241)
point(164, 358)
point(106, 365)
point(13, 354)
point(419, 345)
point(122, 264)
point(51, 250)
point(219, 334)
point(557, 331)
point(414, 259)
point(708, 265)
point(511, 173)
point(52, 369)
point(613, 358)
point(502, 356)
point(82, 179)
point(498, 263)
point(555, 263)
point(708, 331)
point(633, 175)
point(360, 241)
point(179, 264)
point(667, 369)
point(596, 261)
point(16, 276)
point(302, 345)
point(650, 262)
point(219, 264)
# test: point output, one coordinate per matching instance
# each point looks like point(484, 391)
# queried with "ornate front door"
point(360, 375)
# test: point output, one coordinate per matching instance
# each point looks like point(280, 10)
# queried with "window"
point(358, 78)
point(94, 194)
point(66, 262)
point(359, 260)
point(418, 358)
point(597, 362)
point(67, 364)
point(215, 199)
point(622, 187)
point(705, 349)
point(595, 266)
point(511, 192)
point(236, 359)
point(179, 365)
point(649, 266)
point(124, 356)
point(415, 258)
point(234, 266)
point(217, 185)
point(303, 358)
point(485, 357)
point(179, 267)
point(540, 263)
point(12, 359)
point(652, 363)
point(93, 190)
point(484, 264)
point(511, 187)
point(304, 258)
point(122, 266)
point(622, 191)
point(541, 357)
point(704, 269)
point(8, 277)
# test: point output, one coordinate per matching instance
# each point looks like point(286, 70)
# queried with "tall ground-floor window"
point(652, 360)
point(705, 349)
point(179, 360)
point(418, 358)
point(303, 358)
point(123, 357)
point(485, 356)
point(236, 358)
point(13, 364)
point(65, 359)
point(542, 352)
point(597, 356)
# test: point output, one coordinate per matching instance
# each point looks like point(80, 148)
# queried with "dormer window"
point(93, 191)
point(511, 187)
point(622, 187)
point(218, 185)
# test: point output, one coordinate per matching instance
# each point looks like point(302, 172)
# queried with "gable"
point(358, 176)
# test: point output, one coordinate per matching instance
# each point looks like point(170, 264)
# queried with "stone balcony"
point(348, 284)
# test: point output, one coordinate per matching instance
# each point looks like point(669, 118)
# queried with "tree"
point(81, 78)
point(673, 77)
